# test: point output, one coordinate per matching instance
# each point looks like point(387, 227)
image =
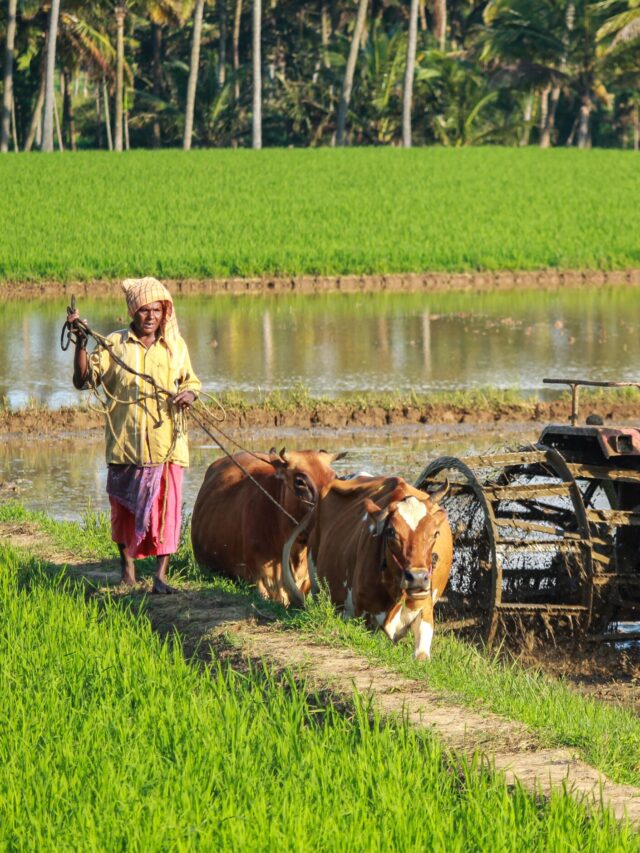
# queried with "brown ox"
point(237, 531)
point(385, 550)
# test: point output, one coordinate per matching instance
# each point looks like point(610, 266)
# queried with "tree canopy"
point(508, 72)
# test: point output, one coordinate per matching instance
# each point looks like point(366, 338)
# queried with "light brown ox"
point(385, 550)
point(237, 531)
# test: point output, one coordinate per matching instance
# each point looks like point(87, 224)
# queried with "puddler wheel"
point(522, 543)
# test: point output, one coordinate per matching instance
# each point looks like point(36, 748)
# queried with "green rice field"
point(211, 213)
point(110, 740)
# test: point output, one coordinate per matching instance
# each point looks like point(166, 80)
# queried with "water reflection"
point(341, 343)
point(67, 476)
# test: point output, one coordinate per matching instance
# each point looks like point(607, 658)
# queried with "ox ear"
point(442, 492)
point(377, 517)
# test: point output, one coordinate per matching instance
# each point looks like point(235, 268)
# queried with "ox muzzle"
point(416, 582)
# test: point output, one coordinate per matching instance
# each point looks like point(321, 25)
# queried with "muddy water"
point(67, 476)
point(342, 343)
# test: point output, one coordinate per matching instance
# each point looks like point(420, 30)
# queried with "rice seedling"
point(110, 740)
point(213, 213)
point(606, 736)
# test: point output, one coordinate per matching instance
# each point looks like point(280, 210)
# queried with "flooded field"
point(344, 343)
point(67, 476)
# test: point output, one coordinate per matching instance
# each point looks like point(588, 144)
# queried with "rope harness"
point(78, 332)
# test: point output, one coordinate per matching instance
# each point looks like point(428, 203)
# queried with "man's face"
point(148, 319)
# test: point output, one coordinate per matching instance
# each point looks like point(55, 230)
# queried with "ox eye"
point(436, 534)
point(301, 484)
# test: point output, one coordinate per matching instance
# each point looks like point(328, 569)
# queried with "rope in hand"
point(78, 332)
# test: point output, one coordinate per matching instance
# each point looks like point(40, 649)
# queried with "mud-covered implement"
point(547, 537)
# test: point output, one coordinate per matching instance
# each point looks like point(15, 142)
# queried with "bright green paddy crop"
point(214, 213)
point(109, 740)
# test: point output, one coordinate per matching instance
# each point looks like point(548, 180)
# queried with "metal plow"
point(545, 539)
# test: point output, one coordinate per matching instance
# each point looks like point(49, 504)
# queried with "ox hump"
point(412, 511)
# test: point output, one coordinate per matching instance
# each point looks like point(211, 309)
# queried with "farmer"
point(146, 438)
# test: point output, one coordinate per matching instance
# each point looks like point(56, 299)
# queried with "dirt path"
point(544, 279)
point(210, 623)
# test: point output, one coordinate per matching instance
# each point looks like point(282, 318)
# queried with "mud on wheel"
point(523, 562)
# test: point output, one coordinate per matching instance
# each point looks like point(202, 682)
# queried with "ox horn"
point(287, 575)
point(442, 492)
point(277, 459)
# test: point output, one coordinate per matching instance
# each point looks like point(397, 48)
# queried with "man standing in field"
point(145, 374)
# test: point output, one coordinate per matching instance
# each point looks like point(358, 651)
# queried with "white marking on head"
point(412, 510)
point(423, 634)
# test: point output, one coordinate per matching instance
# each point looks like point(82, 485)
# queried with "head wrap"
point(144, 291)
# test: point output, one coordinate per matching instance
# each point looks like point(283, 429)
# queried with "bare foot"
point(128, 580)
point(162, 588)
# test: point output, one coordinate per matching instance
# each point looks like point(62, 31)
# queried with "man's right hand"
point(80, 358)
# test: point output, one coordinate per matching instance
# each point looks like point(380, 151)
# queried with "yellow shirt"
point(140, 428)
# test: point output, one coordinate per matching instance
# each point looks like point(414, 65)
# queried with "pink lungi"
point(159, 538)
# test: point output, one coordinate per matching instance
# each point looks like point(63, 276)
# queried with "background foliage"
point(513, 72)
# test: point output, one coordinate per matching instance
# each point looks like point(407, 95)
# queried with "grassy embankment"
point(607, 737)
point(298, 408)
point(241, 213)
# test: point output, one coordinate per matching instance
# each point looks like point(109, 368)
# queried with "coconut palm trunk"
point(7, 91)
point(584, 132)
point(193, 75)
point(222, 54)
point(68, 115)
point(156, 33)
point(119, 105)
point(407, 97)
point(49, 92)
point(237, 18)
point(256, 124)
point(347, 84)
point(440, 16)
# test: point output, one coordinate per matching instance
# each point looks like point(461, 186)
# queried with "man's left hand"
point(184, 400)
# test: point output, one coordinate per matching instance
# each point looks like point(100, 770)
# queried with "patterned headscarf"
point(144, 291)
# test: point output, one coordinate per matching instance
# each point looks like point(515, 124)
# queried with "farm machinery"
point(546, 537)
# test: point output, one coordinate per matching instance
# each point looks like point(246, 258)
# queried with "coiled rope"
point(79, 332)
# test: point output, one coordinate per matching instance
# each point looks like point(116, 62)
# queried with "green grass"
point(605, 735)
point(240, 213)
point(109, 740)
point(299, 399)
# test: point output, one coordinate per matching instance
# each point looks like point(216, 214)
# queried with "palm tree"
point(347, 84)
point(408, 77)
point(49, 93)
point(7, 90)
point(162, 13)
point(527, 40)
point(193, 74)
point(256, 59)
